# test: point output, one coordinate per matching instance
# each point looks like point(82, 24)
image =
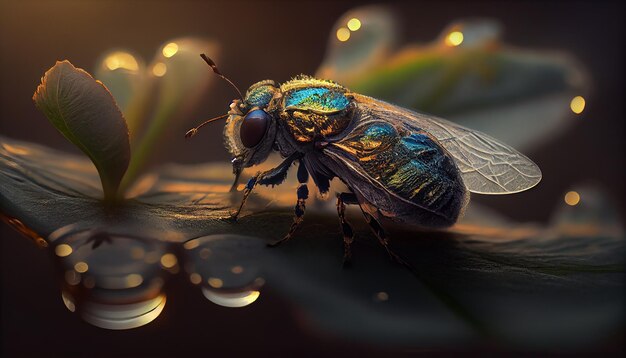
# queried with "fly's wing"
point(487, 166)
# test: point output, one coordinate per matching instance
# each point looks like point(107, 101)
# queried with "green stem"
point(145, 146)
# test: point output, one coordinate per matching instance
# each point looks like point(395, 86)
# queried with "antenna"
point(192, 132)
point(217, 72)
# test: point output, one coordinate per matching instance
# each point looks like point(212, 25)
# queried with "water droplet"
point(230, 299)
point(120, 289)
point(230, 266)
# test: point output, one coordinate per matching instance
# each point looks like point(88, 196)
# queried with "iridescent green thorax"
point(314, 108)
point(261, 93)
point(319, 100)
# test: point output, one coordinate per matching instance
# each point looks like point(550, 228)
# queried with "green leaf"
point(488, 280)
point(84, 111)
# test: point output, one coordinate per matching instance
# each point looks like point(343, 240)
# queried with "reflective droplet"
point(231, 299)
point(123, 316)
point(119, 290)
point(229, 265)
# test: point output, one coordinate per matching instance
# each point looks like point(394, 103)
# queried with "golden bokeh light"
point(455, 38)
point(170, 49)
point(382, 296)
point(572, 198)
point(236, 269)
point(81, 267)
point(63, 250)
point(354, 24)
point(159, 69)
point(343, 34)
point(195, 278)
point(121, 60)
point(168, 260)
point(577, 104)
point(215, 282)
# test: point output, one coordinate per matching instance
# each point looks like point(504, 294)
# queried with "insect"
point(399, 165)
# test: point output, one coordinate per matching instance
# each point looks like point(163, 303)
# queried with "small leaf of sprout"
point(84, 111)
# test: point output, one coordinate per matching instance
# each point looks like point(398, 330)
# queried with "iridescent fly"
point(399, 165)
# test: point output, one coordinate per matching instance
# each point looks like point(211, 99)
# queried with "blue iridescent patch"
point(317, 99)
point(380, 131)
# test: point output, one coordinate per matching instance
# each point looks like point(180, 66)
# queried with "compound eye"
point(254, 127)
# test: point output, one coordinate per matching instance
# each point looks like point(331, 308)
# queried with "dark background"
point(274, 40)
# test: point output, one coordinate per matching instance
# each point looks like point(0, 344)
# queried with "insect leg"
point(384, 240)
point(346, 228)
point(274, 176)
point(303, 194)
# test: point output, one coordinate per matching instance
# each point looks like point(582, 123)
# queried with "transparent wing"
point(487, 166)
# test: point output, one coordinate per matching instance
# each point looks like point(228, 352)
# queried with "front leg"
point(303, 194)
point(274, 176)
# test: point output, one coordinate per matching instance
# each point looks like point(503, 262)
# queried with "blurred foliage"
point(467, 75)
